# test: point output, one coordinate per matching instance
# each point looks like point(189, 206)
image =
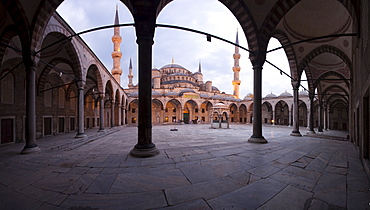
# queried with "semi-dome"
point(171, 94)
point(155, 93)
point(187, 90)
point(215, 88)
point(203, 95)
point(173, 65)
point(134, 94)
point(229, 98)
point(155, 69)
point(217, 97)
point(285, 94)
point(198, 73)
point(271, 95)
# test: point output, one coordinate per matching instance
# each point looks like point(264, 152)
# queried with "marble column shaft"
point(81, 110)
point(101, 117)
point(295, 131)
point(30, 109)
point(257, 136)
point(311, 116)
point(145, 34)
point(112, 120)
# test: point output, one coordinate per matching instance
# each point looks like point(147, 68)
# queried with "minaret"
point(130, 75)
point(236, 68)
point(116, 54)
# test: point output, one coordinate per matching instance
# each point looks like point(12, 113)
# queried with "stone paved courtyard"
point(197, 168)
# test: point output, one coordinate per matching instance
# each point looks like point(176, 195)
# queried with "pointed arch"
point(323, 49)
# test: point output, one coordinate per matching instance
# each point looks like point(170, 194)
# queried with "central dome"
point(173, 65)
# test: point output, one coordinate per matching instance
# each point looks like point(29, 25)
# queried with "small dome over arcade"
point(271, 95)
point(155, 93)
point(285, 94)
point(217, 97)
point(171, 94)
point(187, 90)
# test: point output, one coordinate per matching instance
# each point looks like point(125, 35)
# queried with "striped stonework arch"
point(99, 81)
point(330, 73)
point(47, 69)
point(72, 55)
point(289, 51)
point(337, 102)
point(52, 29)
point(19, 18)
point(324, 49)
point(44, 11)
point(335, 86)
point(337, 96)
point(310, 82)
point(7, 35)
point(276, 14)
point(245, 18)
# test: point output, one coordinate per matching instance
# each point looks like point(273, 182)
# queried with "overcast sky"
point(186, 48)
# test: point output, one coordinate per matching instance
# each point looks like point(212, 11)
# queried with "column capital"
point(80, 84)
point(144, 30)
point(295, 84)
point(257, 59)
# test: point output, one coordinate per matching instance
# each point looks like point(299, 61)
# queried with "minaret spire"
point(116, 54)
point(200, 67)
point(236, 68)
point(130, 75)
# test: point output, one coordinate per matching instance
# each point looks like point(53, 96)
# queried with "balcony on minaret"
point(116, 54)
point(116, 71)
point(236, 82)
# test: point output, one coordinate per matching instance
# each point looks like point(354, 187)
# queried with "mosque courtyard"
point(197, 168)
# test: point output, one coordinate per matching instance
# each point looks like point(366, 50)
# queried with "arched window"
point(48, 95)
point(61, 97)
point(7, 89)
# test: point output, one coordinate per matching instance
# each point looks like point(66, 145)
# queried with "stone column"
point(289, 117)
point(81, 110)
point(112, 120)
point(237, 116)
point(124, 114)
point(311, 120)
point(101, 118)
point(273, 117)
point(31, 145)
point(145, 33)
point(119, 114)
point(257, 105)
point(295, 131)
point(320, 117)
point(328, 117)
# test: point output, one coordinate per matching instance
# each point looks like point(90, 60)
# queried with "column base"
point(258, 140)
point(142, 153)
point(101, 130)
point(295, 133)
point(30, 149)
point(311, 132)
point(81, 135)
